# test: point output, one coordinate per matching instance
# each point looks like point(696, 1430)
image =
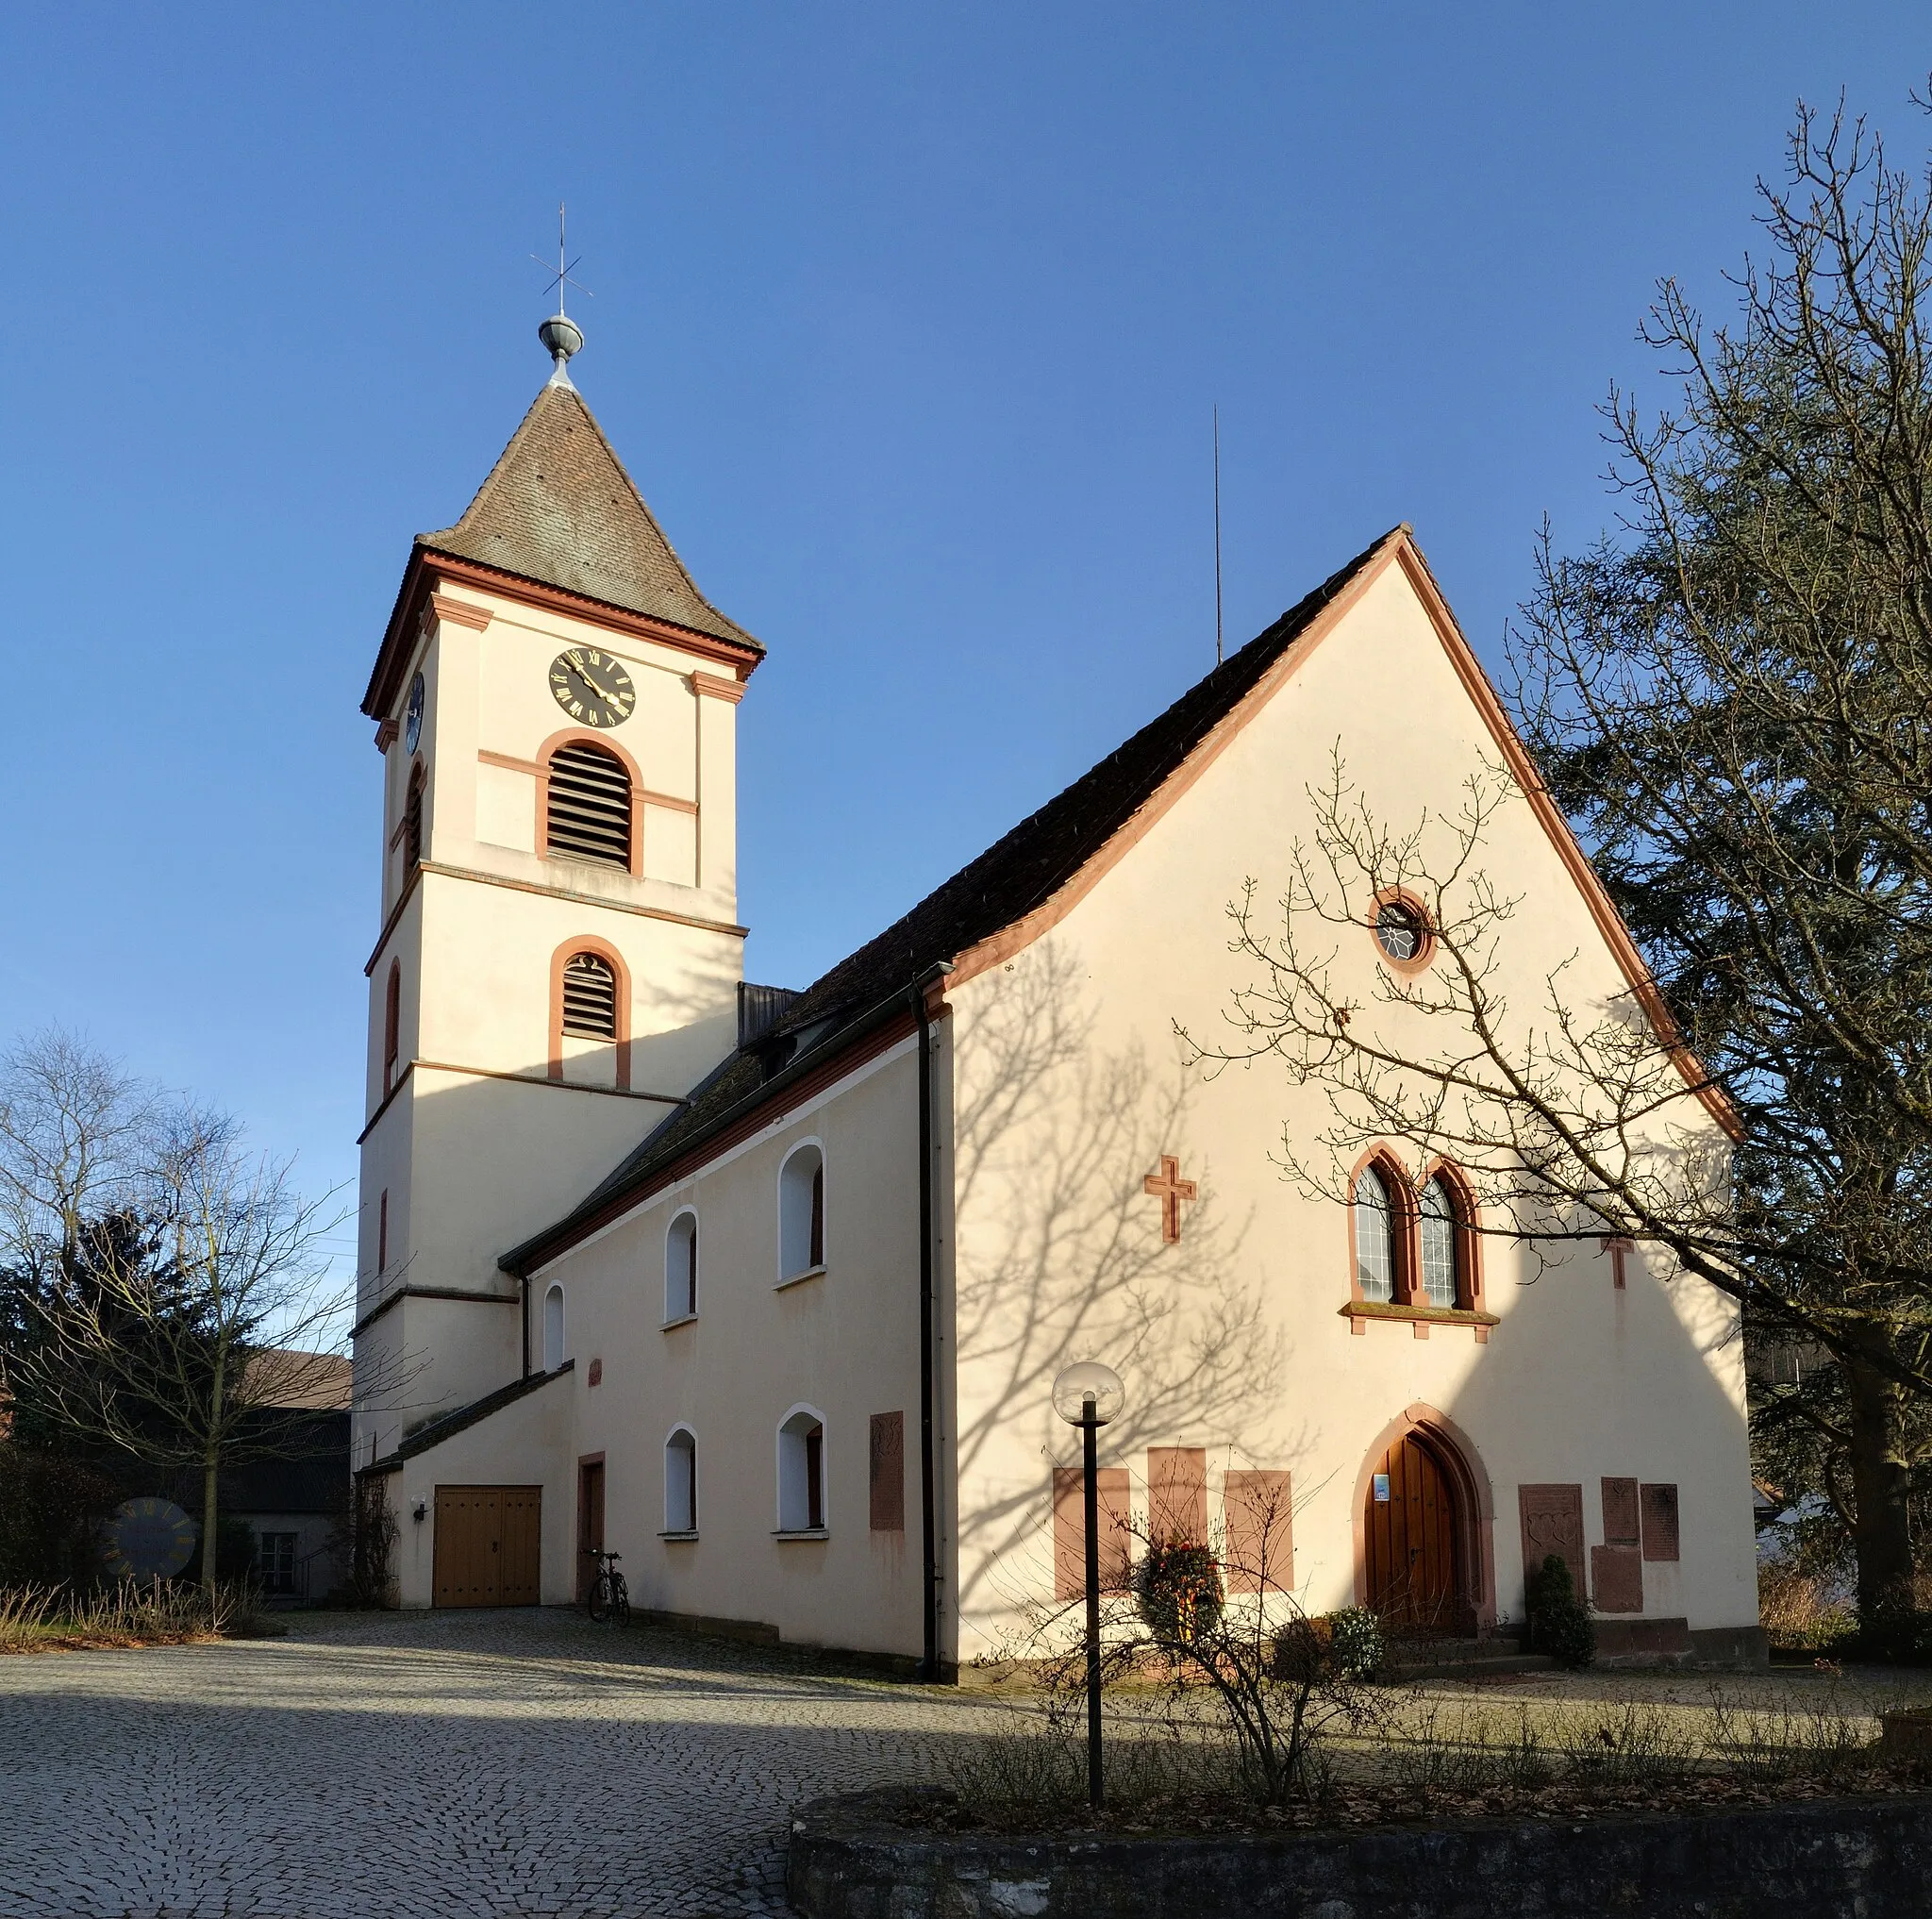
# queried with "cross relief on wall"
point(1169, 1188)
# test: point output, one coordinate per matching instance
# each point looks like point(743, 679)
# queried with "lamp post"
point(1089, 1395)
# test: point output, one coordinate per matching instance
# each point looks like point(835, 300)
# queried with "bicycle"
point(608, 1597)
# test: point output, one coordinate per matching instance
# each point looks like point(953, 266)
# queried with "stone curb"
point(1819, 1859)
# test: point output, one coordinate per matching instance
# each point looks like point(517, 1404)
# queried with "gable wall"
point(1070, 1088)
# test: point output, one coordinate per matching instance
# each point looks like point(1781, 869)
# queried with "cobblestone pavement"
point(433, 1764)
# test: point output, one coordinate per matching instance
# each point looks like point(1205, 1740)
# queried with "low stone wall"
point(1815, 1858)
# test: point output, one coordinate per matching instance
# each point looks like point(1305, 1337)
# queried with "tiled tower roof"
point(559, 508)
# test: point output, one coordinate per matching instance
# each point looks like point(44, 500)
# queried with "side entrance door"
point(1410, 1536)
point(590, 1523)
point(488, 1545)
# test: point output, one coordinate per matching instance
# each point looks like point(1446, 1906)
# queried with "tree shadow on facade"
point(1062, 1258)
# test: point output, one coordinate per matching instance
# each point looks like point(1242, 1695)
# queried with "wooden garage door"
point(488, 1546)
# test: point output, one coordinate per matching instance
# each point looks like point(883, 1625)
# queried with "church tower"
point(558, 952)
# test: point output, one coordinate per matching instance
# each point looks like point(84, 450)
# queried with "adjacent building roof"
point(1011, 879)
point(559, 508)
point(282, 1378)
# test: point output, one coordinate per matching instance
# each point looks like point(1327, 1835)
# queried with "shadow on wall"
point(1057, 1261)
point(502, 1156)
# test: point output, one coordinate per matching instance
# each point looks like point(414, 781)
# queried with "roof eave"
point(385, 678)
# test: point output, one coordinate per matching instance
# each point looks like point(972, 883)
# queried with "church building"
point(767, 1289)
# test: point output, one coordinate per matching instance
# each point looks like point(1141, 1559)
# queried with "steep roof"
point(559, 508)
point(1009, 880)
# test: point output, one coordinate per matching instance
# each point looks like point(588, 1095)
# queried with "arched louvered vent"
point(412, 821)
point(590, 997)
point(590, 805)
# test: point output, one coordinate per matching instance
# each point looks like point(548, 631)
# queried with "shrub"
point(1178, 1587)
point(49, 1511)
point(1802, 1609)
point(1330, 1646)
point(1360, 1650)
point(1559, 1623)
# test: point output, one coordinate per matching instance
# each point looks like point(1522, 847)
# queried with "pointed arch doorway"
point(1424, 1527)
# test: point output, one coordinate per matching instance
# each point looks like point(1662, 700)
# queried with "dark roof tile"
point(1006, 883)
point(559, 508)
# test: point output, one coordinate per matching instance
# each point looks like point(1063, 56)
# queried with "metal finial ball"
point(561, 337)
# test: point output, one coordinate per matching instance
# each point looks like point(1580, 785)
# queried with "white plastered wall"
point(477, 1146)
point(844, 1342)
point(1070, 1087)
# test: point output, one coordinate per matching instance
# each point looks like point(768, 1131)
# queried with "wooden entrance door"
point(590, 1523)
point(488, 1545)
point(1410, 1536)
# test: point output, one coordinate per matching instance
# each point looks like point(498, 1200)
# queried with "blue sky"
point(907, 319)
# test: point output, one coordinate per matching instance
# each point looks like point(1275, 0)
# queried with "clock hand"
point(602, 692)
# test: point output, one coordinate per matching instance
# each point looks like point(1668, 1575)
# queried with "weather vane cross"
point(561, 278)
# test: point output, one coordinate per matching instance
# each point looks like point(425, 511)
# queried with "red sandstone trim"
point(586, 736)
point(604, 950)
point(1426, 956)
point(459, 612)
point(1475, 1527)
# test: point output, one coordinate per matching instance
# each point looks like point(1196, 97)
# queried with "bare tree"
point(170, 1297)
point(1731, 699)
point(76, 1130)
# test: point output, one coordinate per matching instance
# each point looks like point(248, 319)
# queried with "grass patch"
point(61, 1619)
point(1423, 1757)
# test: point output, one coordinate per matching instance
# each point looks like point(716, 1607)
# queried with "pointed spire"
point(559, 508)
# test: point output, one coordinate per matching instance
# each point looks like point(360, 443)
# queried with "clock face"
point(592, 687)
point(412, 726)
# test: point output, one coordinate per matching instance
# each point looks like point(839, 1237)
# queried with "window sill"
point(803, 1532)
point(1420, 1318)
point(678, 1538)
point(682, 1319)
point(799, 1279)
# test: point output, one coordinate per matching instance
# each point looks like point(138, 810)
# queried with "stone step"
point(1467, 1659)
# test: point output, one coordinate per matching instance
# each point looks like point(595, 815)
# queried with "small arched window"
point(588, 816)
point(1448, 1244)
point(1375, 1236)
point(553, 1328)
point(802, 1472)
point(590, 997)
point(681, 1481)
point(412, 819)
point(681, 1268)
point(391, 1026)
point(802, 1212)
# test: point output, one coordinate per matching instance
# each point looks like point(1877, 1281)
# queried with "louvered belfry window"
point(590, 997)
point(412, 821)
point(590, 805)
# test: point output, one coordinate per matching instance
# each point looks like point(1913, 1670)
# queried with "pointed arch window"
point(1438, 1247)
point(589, 806)
point(1376, 1236)
point(1446, 1218)
point(1414, 1251)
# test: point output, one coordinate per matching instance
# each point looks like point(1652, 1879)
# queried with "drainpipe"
point(525, 1279)
point(928, 1463)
